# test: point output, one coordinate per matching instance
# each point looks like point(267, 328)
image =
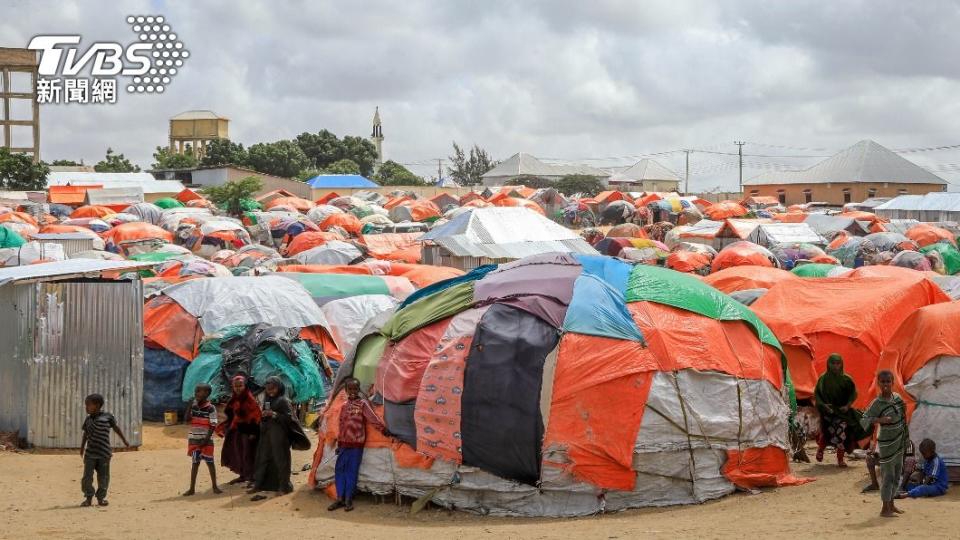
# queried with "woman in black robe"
point(279, 430)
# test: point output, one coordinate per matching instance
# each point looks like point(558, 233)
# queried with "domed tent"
point(501, 381)
point(924, 355)
point(743, 254)
point(741, 278)
point(852, 315)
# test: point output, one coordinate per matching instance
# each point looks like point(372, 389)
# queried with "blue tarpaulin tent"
point(340, 181)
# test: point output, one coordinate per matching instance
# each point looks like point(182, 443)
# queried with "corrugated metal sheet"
point(109, 196)
point(81, 338)
point(66, 268)
point(72, 243)
point(929, 208)
point(900, 225)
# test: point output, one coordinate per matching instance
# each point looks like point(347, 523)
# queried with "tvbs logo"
point(150, 62)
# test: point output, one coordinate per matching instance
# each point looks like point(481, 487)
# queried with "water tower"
point(196, 129)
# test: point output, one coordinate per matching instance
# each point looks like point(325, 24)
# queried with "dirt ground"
point(39, 494)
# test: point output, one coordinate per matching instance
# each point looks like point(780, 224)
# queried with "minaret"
point(377, 136)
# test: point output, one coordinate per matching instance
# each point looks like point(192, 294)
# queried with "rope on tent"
point(693, 461)
point(932, 404)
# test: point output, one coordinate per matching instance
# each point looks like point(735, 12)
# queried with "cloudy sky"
point(603, 82)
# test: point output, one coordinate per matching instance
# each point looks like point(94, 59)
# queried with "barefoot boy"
point(202, 416)
point(95, 449)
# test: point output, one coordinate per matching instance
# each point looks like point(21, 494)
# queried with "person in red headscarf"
point(241, 431)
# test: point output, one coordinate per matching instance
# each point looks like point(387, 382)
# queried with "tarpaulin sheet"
point(325, 287)
point(472, 275)
point(10, 239)
point(394, 246)
point(347, 222)
point(501, 422)
point(613, 271)
point(428, 310)
point(541, 285)
point(597, 309)
point(401, 368)
point(813, 270)
point(599, 432)
point(760, 467)
point(949, 254)
point(687, 261)
point(863, 312)
point(739, 278)
point(742, 254)
point(439, 403)
point(399, 418)
point(162, 380)
point(367, 358)
point(925, 234)
point(928, 333)
point(420, 275)
point(220, 302)
point(167, 325)
point(349, 316)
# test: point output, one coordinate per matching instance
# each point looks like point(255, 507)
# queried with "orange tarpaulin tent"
point(397, 201)
point(741, 254)
point(925, 234)
point(725, 209)
point(928, 333)
point(70, 195)
point(297, 203)
point(92, 211)
point(687, 261)
point(741, 278)
point(309, 240)
point(851, 316)
point(517, 202)
point(327, 198)
point(347, 222)
point(188, 195)
point(403, 247)
point(790, 217)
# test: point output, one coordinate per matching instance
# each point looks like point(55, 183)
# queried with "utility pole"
point(686, 175)
point(439, 170)
point(740, 153)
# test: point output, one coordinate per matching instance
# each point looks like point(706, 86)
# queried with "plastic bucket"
point(170, 418)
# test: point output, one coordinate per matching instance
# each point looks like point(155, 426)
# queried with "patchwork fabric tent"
point(924, 355)
point(741, 278)
point(501, 380)
point(853, 316)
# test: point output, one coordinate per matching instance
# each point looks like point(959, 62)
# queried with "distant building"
point(526, 165)
point(195, 130)
point(865, 170)
point(377, 136)
point(646, 175)
point(221, 174)
point(151, 188)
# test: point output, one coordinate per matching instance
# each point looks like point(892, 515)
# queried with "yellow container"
point(311, 416)
point(170, 418)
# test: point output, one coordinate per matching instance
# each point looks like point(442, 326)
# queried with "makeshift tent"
point(178, 318)
point(689, 261)
point(414, 211)
point(259, 351)
point(947, 252)
point(819, 270)
point(724, 210)
point(850, 315)
point(403, 247)
point(250, 257)
point(118, 238)
point(924, 355)
point(828, 226)
point(297, 203)
point(321, 212)
point(332, 252)
point(340, 181)
point(308, 240)
point(503, 382)
point(925, 234)
point(617, 212)
point(167, 203)
point(92, 212)
point(324, 288)
point(771, 234)
point(10, 239)
point(739, 278)
point(788, 254)
point(162, 382)
point(347, 222)
point(743, 254)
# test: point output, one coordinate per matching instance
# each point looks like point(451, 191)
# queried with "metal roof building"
point(495, 235)
point(648, 175)
point(68, 333)
point(930, 207)
point(522, 164)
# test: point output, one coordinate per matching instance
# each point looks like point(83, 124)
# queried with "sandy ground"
point(39, 493)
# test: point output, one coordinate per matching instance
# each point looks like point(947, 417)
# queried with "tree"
point(281, 158)
point(531, 181)
point(579, 183)
point(65, 163)
point(343, 166)
point(230, 195)
point(322, 148)
point(115, 163)
point(164, 158)
point(221, 152)
point(360, 151)
point(18, 172)
point(392, 173)
point(468, 168)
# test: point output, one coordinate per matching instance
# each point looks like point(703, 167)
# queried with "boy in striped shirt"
point(95, 449)
point(202, 417)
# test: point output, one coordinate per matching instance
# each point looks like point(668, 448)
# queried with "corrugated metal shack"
point(72, 243)
point(497, 235)
point(66, 333)
point(771, 234)
point(928, 208)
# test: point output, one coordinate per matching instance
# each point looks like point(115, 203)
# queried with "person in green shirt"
point(839, 421)
point(890, 413)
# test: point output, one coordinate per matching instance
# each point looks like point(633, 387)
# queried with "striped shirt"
point(203, 418)
point(97, 428)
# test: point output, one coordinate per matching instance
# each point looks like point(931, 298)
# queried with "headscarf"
point(279, 404)
point(244, 408)
point(835, 389)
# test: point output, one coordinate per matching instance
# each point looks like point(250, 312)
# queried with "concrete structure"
point(377, 136)
point(506, 172)
point(152, 188)
point(865, 170)
point(195, 130)
point(646, 175)
point(18, 89)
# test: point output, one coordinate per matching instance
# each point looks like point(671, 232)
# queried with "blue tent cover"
point(335, 181)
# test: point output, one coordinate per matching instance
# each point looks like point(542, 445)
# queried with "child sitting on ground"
point(932, 480)
point(95, 449)
point(202, 417)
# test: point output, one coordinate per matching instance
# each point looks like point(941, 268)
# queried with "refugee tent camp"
point(501, 379)
point(853, 315)
point(924, 355)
